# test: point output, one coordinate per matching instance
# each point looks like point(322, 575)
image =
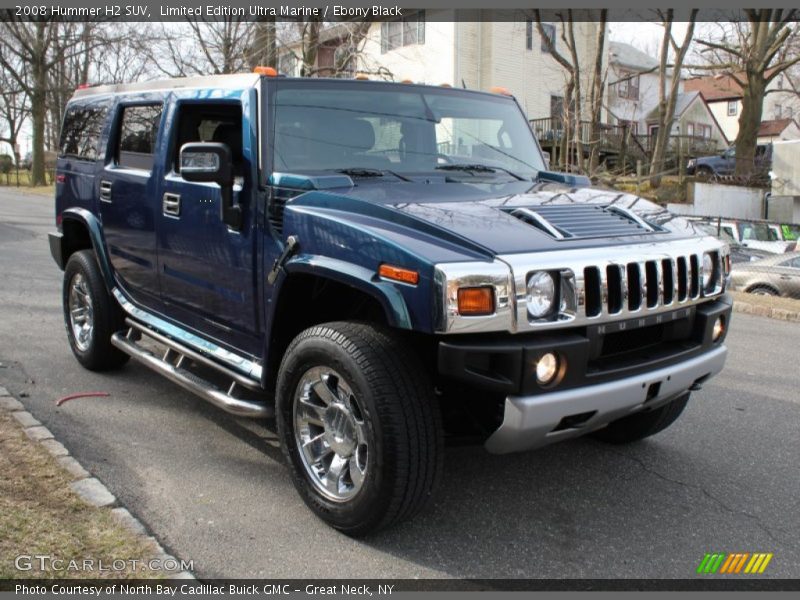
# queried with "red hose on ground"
point(61, 401)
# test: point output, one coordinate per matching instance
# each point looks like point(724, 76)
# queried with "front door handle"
point(171, 205)
point(105, 190)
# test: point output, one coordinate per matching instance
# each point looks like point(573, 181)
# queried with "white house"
point(633, 86)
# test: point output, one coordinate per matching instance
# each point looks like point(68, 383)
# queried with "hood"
point(517, 217)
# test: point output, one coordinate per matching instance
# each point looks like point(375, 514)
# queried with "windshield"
point(324, 126)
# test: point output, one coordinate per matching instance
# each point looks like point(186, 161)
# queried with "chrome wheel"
point(330, 433)
point(81, 312)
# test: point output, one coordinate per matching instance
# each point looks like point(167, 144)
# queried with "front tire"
point(359, 426)
point(91, 315)
point(642, 425)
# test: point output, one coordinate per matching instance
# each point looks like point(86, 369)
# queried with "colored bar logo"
point(734, 564)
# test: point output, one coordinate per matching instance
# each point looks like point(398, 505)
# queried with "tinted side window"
point(137, 136)
point(81, 131)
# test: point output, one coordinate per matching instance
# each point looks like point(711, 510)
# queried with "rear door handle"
point(105, 190)
point(171, 205)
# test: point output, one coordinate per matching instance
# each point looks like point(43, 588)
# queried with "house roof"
point(682, 102)
point(773, 127)
point(625, 55)
point(714, 87)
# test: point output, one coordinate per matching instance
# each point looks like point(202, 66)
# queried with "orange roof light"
point(267, 71)
point(476, 301)
point(362, 77)
point(445, 85)
point(399, 274)
point(500, 90)
point(406, 81)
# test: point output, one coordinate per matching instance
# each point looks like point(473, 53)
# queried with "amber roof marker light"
point(266, 71)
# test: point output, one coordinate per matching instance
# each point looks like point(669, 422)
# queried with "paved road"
point(214, 490)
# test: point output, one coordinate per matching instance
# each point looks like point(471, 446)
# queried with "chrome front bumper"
point(530, 421)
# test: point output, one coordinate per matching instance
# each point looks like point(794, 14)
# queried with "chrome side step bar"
point(173, 366)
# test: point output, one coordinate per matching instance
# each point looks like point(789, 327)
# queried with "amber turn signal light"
point(398, 274)
point(476, 301)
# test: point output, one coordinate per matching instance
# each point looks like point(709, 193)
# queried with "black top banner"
point(435, 10)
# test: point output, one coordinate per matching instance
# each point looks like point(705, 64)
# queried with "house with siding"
point(778, 130)
point(724, 97)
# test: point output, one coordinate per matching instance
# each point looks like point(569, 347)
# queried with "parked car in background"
point(739, 253)
point(777, 275)
point(788, 232)
point(752, 234)
point(705, 167)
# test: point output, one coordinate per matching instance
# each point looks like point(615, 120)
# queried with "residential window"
point(137, 136)
point(287, 64)
point(733, 108)
point(407, 31)
point(628, 86)
point(557, 107)
point(549, 34)
point(83, 126)
point(700, 130)
point(529, 35)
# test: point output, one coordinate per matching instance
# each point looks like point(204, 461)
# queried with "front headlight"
point(541, 294)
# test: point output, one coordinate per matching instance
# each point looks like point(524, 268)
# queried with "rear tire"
point(91, 315)
point(763, 290)
point(703, 174)
point(359, 426)
point(642, 425)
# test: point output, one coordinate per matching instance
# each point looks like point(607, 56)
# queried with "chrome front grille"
point(635, 286)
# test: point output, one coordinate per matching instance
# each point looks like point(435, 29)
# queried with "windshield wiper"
point(368, 172)
point(478, 168)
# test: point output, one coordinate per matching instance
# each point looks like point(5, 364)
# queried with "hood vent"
point(581, 221)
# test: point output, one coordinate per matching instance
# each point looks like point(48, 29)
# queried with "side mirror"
point(206, 161)
point(212, 162)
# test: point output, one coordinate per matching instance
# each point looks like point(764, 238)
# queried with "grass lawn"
point(39, 514)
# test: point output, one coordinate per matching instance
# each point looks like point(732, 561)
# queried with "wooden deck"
point(616, 144)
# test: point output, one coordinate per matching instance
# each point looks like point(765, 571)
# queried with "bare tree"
point(668, 97)
point(14, 111)
point(574, 88)
point(752, 53)
point(28, 52)
point(204, 47)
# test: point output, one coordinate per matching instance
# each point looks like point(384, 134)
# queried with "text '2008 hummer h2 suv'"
point(379, 266)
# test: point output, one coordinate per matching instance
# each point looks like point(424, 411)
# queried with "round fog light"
point(547, 368)
point(719, 329)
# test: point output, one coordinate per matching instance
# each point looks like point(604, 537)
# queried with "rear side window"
point(81, 131)
point(138, 132)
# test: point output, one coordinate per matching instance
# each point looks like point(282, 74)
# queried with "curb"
point(781, 314)
point(89, 489)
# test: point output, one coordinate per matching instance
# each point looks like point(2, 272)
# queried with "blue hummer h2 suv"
point(379, 267)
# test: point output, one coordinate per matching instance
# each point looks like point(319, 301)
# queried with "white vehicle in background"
point(755, 234)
